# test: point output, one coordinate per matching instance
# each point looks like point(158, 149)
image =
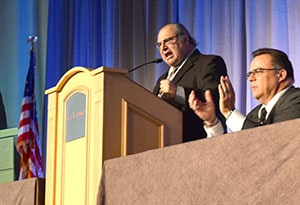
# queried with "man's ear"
point(186, 39)
point(282, 74)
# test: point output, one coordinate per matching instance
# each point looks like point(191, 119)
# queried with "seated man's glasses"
point(257, 71)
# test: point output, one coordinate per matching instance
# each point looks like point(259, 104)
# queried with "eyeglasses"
point(259, 70)
point(168, 41)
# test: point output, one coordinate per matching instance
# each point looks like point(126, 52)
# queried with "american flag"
point(28, 145)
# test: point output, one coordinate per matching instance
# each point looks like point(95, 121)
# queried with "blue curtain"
point(122, 34)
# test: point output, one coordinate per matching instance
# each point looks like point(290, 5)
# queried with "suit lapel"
point(282, 100)
point(188, 64)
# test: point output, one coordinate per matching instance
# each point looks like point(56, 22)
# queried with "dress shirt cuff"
point(235, 121)
point(214, 130)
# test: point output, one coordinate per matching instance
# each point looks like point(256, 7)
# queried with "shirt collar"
point(273, 101)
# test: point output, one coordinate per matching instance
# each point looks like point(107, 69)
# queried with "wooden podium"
point(99, 114)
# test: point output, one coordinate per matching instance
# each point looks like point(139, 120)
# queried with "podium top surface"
point(79, 69)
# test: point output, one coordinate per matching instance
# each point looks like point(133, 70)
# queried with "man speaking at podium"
point(189, 70)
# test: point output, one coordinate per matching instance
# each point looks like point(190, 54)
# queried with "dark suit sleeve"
point(3, 123)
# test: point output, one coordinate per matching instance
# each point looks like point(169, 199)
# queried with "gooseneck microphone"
point(159, 60)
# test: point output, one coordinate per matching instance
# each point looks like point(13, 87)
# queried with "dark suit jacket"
point(200, 72)
point(3, 124)
point(286, 108)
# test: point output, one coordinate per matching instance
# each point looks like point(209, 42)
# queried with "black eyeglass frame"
point(260, 70)
point(159, 44)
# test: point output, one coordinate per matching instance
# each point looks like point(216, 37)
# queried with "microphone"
point(159, 60)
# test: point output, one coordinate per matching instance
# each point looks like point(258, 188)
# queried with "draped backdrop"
point(122, 34)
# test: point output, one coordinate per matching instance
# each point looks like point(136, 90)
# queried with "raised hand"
point(227, 96)
point(204, 110)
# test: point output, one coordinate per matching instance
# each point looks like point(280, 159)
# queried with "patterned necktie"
point(171, 73)
point(170, 76)
point(263, 114)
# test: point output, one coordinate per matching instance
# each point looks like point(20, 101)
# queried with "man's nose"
point(164, 46)
point(251, 77)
